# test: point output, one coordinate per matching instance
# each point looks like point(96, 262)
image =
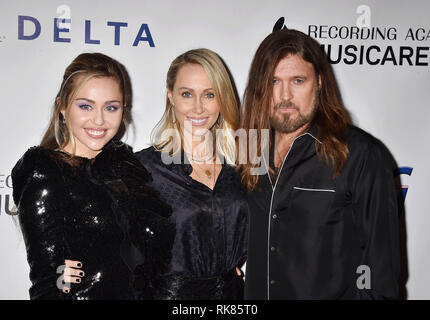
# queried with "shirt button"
point(272, 249)
point(275, 216)
point(272, 282)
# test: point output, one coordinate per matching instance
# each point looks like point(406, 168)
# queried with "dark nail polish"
point(78, 280)
point(81, 274)
point(79, 265)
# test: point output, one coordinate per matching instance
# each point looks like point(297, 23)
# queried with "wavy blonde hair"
point(166, 135)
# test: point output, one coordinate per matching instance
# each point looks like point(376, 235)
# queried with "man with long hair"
point(323, 216)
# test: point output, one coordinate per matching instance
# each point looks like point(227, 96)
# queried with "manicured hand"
point(72, 273)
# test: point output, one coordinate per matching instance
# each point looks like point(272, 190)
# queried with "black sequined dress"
point(89, 210)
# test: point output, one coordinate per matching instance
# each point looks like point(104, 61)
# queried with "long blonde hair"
point(166, 134)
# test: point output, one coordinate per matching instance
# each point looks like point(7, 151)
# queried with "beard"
point(292, 121)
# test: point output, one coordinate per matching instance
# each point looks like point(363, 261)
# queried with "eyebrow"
point(294, 76)
point(91, 101)
point(186, 88)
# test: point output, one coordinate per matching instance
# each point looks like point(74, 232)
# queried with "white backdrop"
point(387, 99)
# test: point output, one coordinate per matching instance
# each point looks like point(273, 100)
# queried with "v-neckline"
point(216, 181)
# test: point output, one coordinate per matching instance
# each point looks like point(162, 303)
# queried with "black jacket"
point(310, 234)
point(85, 210)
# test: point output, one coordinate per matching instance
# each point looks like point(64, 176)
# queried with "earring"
point(172, 106)
point(220, 121)
point(64, 120)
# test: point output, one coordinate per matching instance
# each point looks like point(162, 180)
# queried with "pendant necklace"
point(203, 159)
point(207, 172)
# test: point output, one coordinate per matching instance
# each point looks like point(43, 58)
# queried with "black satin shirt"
point(312, 235)
point(211, 225)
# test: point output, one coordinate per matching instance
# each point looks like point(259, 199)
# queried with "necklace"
point(208, 177)
point(201, 159)
point(192, 156)
point(207, 172)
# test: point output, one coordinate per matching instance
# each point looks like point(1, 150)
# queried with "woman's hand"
point(72, 273)
point(238, 271)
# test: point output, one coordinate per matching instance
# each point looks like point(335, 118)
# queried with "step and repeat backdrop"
point(379, 50)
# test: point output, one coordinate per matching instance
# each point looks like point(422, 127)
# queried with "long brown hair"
point(331, 117)
point(88, 65)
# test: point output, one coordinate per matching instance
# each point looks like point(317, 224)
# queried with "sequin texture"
point(79, 211)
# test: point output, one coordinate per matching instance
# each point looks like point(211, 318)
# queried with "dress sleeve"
point(142, 214)
point(376, 214)
point(41, 204)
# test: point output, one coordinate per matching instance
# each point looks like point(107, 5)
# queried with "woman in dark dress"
point(199, 182)
point(77, 191)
